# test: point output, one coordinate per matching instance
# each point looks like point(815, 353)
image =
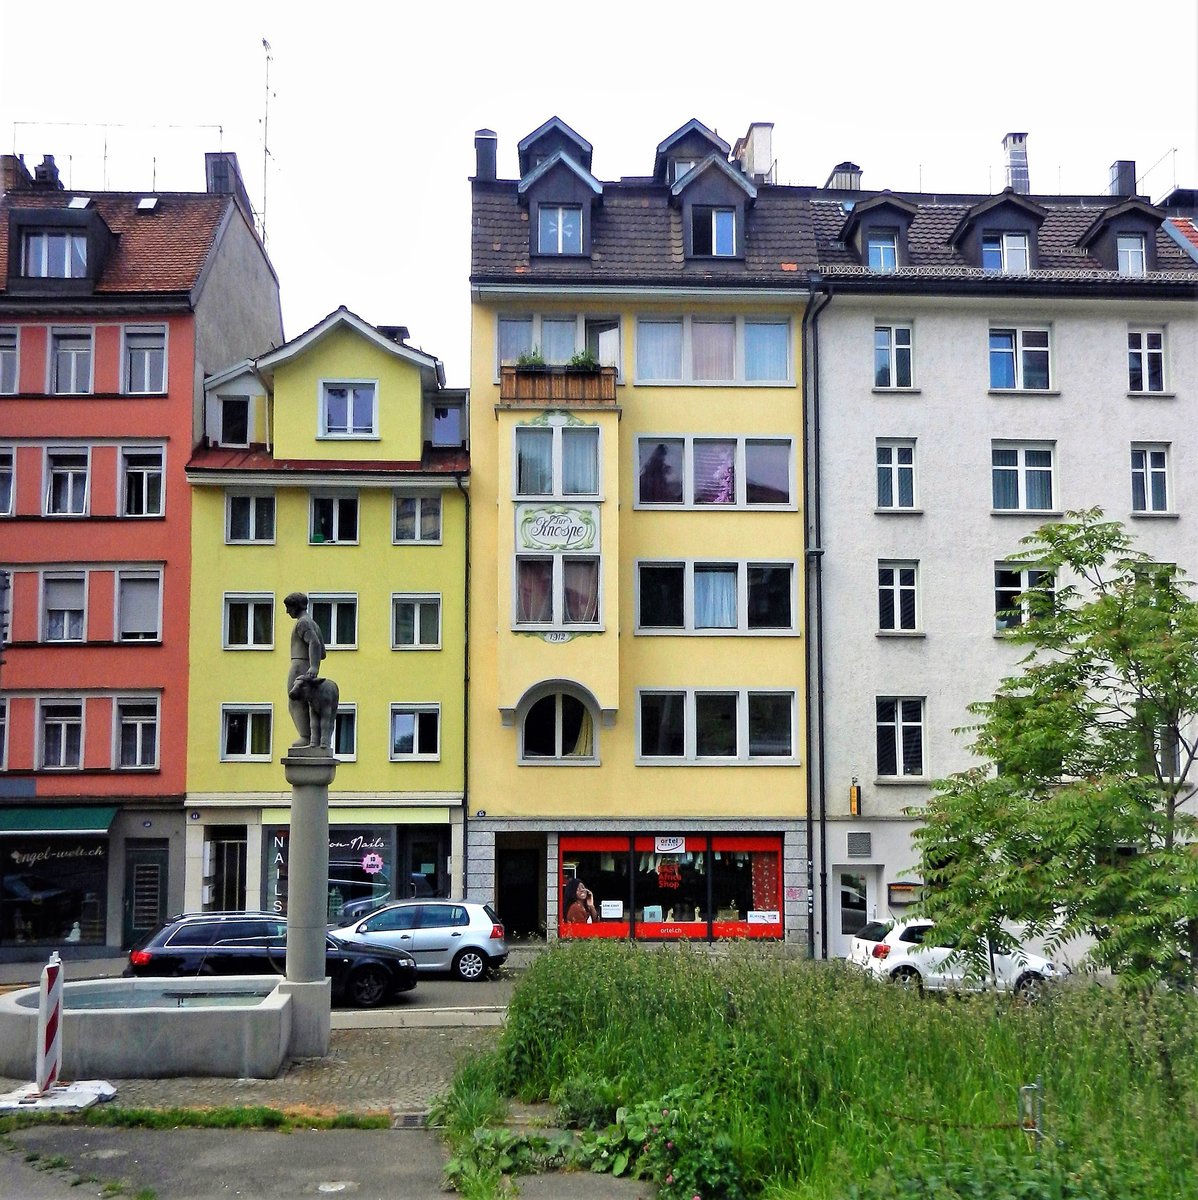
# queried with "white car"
point(904, 953)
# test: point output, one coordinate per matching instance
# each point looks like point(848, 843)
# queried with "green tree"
point(1080, 819)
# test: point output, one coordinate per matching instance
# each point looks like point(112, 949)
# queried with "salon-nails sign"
point(557, 527)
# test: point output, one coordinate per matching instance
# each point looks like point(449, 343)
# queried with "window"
point(447, 425)
point(733, 472)
point(1020, 593)
point(337, 619)
point(897, 596)
point(66, 483)
point(137, 734)
point(250, 622)
point(712, 350)
point(70, 363)
point(141, 489)
point(416, 622)
point(138, 607)
point(349, 410)
point(1132, 257)
point(8, 362)
point(7, 475)
point(145, 360)
point(559, 338)
point(557, 461)
point(1150, 479)
point(234, 420)
point(1022, 477)
point(418, 519)
point(1145, 360)
point(892, 356)
point(249, 517)
point(334, 520)
point(896, 474)
point(679, 167)
point(55, 254)
point(703, 597)
point(559, 229)
point(558, 589)
point(1005, 252)
point(245, 733)
point(558, 726)
point(345, 732)
point(731, 725)
point(713, 232)
point(900, 736)
point(64, 604)
point(882, 250)
point(3, 735)
point(61, 734)
point(415, 732)
point(1019, 359)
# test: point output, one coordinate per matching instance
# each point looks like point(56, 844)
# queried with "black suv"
point(255, 943)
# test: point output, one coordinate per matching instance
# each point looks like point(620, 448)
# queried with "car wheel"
point(1030, 987)
point(470, 965)
point(908, 977)
point(367, 987)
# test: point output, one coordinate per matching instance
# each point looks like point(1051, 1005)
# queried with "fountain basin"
point(238, 1026)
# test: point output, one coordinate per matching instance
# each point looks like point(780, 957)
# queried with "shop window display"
point(53, 891)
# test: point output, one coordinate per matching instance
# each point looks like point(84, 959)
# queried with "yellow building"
point(637, 679)
point(335, 465)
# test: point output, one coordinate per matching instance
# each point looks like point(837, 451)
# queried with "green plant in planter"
point(584, 360)
point(531, 358)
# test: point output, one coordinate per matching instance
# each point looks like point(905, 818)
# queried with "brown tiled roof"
point(159, 251)
point(1188, 230)
point(434, 461)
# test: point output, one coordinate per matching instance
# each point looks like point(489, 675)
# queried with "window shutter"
point(139, 608)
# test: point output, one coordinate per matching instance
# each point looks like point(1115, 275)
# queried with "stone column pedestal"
point(309, 771)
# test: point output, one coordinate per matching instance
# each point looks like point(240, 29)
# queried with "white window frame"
point(120, 702)
point(713, 212)
point(882, 240)
point(561, 759)
point(250, 599)
point(10, 361)
point(1146, 473)
point(42, 238)
point(557, 620)
point(542, 211)
point(582, 322)
point(123, 482)
point(689, 627)
point(1131, 260)
point(558, 426)
point(336, 600)
point(337, 497)
point(349, 434)
point(253, 497)
point(687, 377)
point(350, 711)
point(45, 702)
point(1031, 578)
point(1021, 468)
point(43, 625)
point(1011, 243)
point(894, 469)
point(8, 466)
point(48, 472)
point(899, 724)
point(419, 600)
point(80, 334)
point(1019, 348)
point(893, 351)
point(417, 709)
point(250, 710)
point(420, 499)
point(137, 575)
point(690, 755)
point(1146, 353)
point(896, 588)
point(127, 351)
point(688, 481)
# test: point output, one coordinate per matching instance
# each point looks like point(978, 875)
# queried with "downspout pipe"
point(458, 480)
point(821, 296)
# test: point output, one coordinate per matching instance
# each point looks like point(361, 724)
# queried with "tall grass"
point(820, 1077)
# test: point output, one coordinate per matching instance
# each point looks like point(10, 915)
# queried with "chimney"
point(484, 153)
point(846, 176)
point(1015, 144)
point(1123, 177)
point(14, 174)
point(45, 175)
point(754, 152)
point(223, 177)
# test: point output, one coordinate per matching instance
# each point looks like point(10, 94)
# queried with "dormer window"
point(1132, 255)
point(447, 424)
point(349, 410)
point(713, 232)
point(559, 229)
point(883, 250)
point(55, 254)
point(1005, 252)
point(679, 167)
point(234, 420)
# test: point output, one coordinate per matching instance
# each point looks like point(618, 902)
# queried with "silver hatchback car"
point(441, 935)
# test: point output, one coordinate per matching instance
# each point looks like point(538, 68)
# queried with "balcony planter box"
point(557, 385)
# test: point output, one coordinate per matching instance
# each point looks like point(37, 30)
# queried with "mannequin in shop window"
point(579, 903)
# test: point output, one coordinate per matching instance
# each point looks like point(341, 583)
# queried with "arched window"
point(558, 727)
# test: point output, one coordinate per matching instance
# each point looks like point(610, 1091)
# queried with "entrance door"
point(853, 902)
point(145, 889)
point(519, 900)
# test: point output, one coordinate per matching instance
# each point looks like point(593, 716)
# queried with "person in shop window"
point(580, 903)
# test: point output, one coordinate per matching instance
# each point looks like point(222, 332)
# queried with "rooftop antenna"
point(265, 132)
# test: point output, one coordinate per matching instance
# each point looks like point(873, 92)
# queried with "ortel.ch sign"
point(557, 527)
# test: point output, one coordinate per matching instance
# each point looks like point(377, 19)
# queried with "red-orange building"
point(112, 308)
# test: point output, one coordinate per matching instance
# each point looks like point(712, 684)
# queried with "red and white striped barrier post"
point(49, 1025)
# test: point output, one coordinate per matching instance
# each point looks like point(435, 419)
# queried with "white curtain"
point(557, 339)
point(534, 594)
point(580, 462)
point(715, 597)
point(765, 351)
point(659, 350)
point(713, 349)
point(534, 462)
point(581, 580)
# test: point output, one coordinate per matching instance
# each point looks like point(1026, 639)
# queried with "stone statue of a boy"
point(304, 699)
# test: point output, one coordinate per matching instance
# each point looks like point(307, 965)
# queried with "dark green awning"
point(45, 820)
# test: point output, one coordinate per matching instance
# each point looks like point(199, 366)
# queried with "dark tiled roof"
point(435, 461)
point(160, 251)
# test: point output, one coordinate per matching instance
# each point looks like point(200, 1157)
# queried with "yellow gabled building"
point(335, 465)
point(637, 698)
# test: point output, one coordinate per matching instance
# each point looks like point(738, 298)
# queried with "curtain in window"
point(765, 351)
point(1039, 478)
point(715, 597)
point(534, 462)
point(557, 339)
point(713, 347)
point(1005, 475)
point(765, 880)
point(659, 350)
point(580, 462)
point(260, 733)
point(581, 590)
point(534, 595)
point(715, 472)
point(515, 338)
point(584, 743)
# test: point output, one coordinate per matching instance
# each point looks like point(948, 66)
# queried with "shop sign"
point(556, 527)
point(769, 916)
point(372, 863)
point(669, 845)
point(52, 852)
point(611, 910)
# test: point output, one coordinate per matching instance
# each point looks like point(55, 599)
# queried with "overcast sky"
point(373, 109)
